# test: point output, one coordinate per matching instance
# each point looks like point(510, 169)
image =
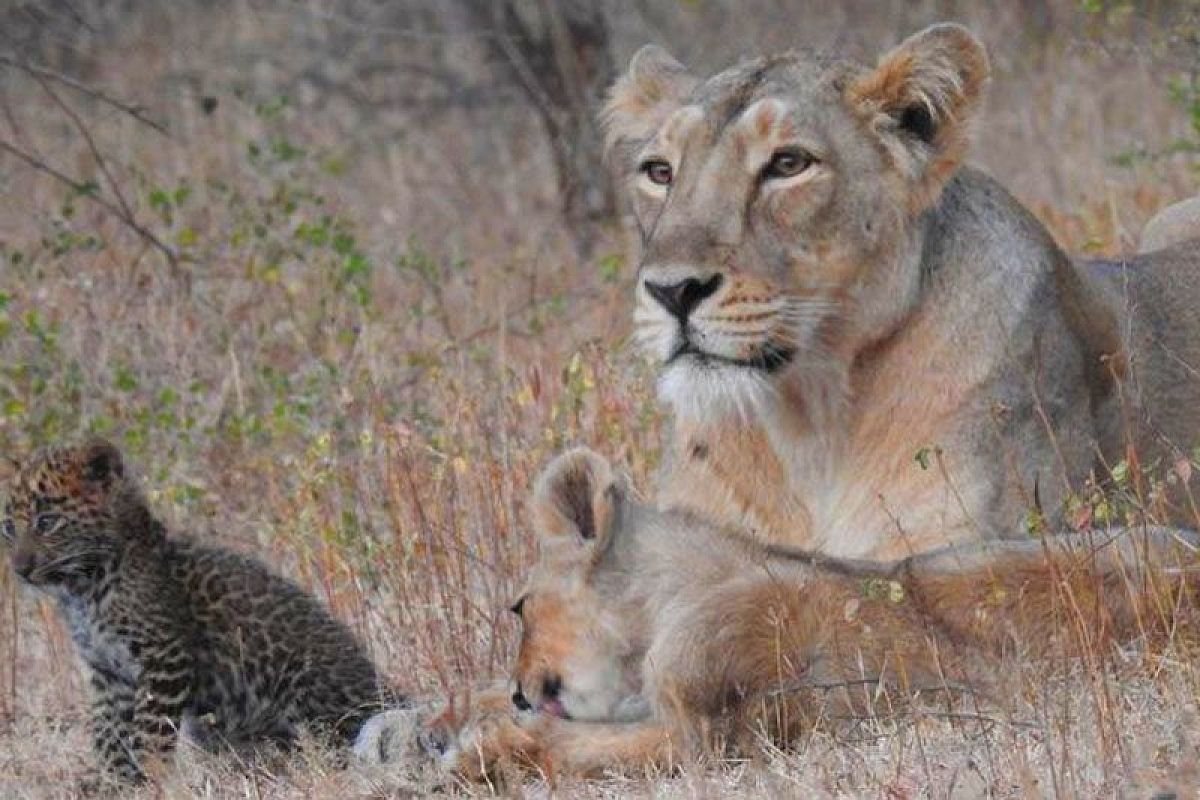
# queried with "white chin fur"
point(706, 391)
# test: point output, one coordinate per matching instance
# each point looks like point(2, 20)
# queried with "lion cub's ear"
point(575, 501)
point(921, 99)
point(654, 85)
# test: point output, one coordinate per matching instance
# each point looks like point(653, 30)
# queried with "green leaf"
point(159, 199)
point(124, 379)
point(343, 244)
point(922, 456)
point(610, 267)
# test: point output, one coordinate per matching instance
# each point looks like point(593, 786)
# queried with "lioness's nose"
point(680, 299)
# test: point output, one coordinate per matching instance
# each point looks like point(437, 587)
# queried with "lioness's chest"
point(879, 496)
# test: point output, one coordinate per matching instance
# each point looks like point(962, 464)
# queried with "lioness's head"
point(579, 651)
point(778, 201)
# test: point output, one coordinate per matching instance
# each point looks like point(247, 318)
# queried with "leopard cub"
point(179, 638)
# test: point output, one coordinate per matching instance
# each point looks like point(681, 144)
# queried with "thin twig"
point(38, 71)
point(87, 189)
point(90, 141)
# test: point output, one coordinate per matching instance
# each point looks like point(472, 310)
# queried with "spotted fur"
point(178, 638)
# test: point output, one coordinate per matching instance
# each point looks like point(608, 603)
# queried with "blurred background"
point(339, 276)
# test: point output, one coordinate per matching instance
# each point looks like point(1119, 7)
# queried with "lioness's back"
point(1157, 297)
point(1172, 225)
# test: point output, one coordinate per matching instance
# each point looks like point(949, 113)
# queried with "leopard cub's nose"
point(24, 563)
point(680, 299)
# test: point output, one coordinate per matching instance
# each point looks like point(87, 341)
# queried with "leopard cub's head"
point(69, 511)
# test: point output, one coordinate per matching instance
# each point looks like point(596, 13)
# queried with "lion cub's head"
point(777, 202)
point(580, 648)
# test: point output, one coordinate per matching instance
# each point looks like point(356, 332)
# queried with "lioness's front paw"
point(499, 737)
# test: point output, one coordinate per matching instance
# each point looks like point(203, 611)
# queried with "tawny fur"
point(719, 639)
point(881, 302)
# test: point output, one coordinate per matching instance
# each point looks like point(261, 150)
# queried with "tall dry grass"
point(378, 330)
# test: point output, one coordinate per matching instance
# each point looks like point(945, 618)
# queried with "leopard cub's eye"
point(46, 523)
point(658, 171)
point(9, 529)
point(787, 164)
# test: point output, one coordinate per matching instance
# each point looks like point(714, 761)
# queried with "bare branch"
point(87, 190)
point(101, 161)
point(40, 73)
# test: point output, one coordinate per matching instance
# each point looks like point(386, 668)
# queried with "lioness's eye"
point(658, 171)
point(45, 523)
point(787, 164)
point(518, 606)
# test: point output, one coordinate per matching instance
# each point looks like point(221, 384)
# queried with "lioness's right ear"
point(575, 500)
point(920, 100)
point(654, 85)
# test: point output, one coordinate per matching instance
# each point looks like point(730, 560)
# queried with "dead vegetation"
point(340, 313)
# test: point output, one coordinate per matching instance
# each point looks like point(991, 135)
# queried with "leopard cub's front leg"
point(137, 704)
point(114, 737)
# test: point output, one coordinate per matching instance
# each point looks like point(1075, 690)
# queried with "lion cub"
point(178, 637)
point(648, 634)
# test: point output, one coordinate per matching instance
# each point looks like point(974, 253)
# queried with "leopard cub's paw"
point(102, 785)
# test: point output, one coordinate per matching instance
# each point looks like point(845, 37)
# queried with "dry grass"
point(380, 331)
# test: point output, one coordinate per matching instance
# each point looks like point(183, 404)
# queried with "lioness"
point(869, 349)
point(646, 634)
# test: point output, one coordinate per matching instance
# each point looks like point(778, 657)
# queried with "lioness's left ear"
point(575, 500)
point(921, 99)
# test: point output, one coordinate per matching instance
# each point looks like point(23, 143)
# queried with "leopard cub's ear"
point(101, 462)
point(575, 501)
